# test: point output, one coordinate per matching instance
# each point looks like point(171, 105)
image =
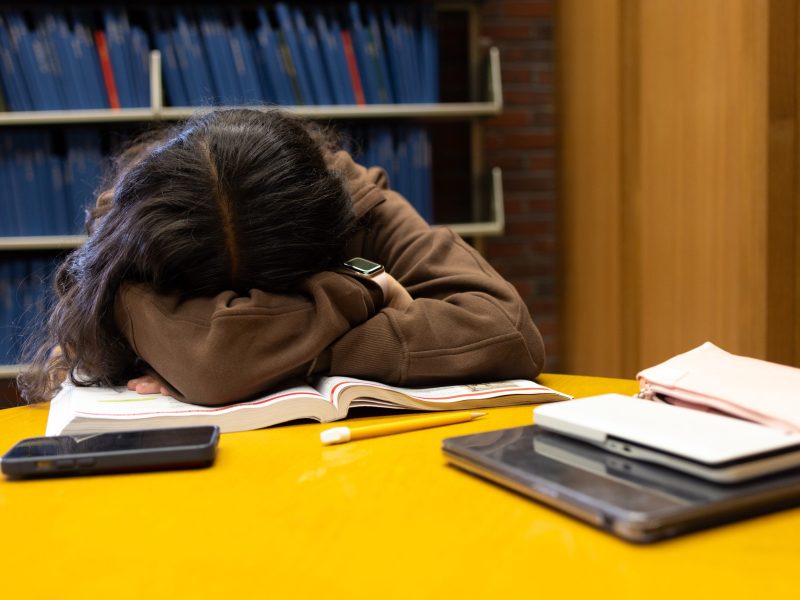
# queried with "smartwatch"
point(364, 267)
point(369, 270)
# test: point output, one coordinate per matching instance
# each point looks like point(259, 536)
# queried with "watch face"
point(363, 266)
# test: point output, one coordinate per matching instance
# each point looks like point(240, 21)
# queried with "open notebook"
point(97, 410)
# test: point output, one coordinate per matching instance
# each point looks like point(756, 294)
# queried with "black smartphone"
point(121, 451)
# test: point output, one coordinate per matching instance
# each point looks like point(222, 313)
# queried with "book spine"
point(394, 61)
point(89, 61)
point(116, 48)
point(130, 54)
point(342, 70)
point(197, 56)
point(214, 35)
point(55, 37)
point(30, 196)
point(43, 186)
point(242, 51)
point(82, 172)
point(49, 70)
point(291, 71)
point(361, 45)
point(404, 60)
point(277, 86)
point(14, 83)
point(235, 91)
point(177, 94)
point(63, 218)
point(410, 48)
point(430, 54)
point(73, 58)
point(352, 67)
point(181, 42)
point(309, 48)
point(295, 57)
point(385, 94)
point(21, 43)
point(329, 52)
point(140, 65)
point(7, 208)
point(108, 71)
point(14, 191)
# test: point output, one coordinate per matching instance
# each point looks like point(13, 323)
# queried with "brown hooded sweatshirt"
point(466, 323)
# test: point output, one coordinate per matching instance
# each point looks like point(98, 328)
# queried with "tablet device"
point(637, 501)
point(712, 446)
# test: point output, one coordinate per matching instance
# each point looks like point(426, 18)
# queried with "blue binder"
point(190, 35)
point(14, 84)
point(54, 29)
point(181, 43)
point(273, 69)
point(85, 52)
point(430, 55)
point(342, 70)
point(397, 67)
point(140, 65)
point(242, 52)
point(309, 48)
point(385, 93)
point(408, 49)
point(177, 93)
point(218, 51)
point(297, 57)
point(22, 44)
point(82, 172)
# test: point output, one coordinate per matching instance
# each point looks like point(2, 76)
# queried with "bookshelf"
point(484, 99)
point(157, 111)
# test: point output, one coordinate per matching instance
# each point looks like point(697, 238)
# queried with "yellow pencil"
point(338, 435)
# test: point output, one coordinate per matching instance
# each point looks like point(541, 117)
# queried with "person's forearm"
point(219, 350)
point(433, 341)
point(465, 323)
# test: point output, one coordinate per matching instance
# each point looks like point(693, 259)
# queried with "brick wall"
point(522, 142)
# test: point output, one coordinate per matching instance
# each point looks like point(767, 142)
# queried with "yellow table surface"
point(281, 516)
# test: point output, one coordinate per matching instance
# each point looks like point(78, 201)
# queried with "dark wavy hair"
point(232, 199)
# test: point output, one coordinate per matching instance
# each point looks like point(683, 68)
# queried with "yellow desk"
point(281, 516)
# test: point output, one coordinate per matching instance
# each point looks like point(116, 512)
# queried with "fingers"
point(146, 385)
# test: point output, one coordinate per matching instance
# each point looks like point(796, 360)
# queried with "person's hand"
point(147, 385)
point(394, 294)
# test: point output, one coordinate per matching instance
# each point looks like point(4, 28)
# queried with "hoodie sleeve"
point(466, 322)
point(218, 350)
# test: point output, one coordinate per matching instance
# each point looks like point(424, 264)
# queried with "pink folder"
point(708, 378)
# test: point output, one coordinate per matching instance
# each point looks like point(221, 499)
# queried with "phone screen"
point(111, 442)
point(182, 447)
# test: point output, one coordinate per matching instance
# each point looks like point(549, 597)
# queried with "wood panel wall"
point(678, 180)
